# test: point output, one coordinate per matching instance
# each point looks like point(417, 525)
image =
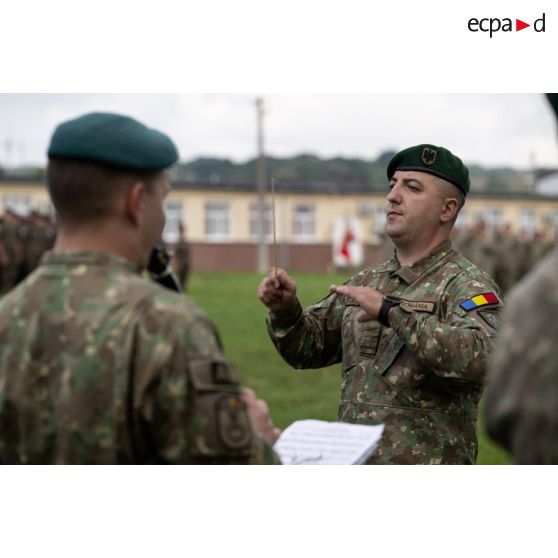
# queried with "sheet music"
point(318, 442)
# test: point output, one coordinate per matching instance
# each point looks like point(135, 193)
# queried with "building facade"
point(316, 225)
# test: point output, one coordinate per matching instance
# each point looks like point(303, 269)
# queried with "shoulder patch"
point(491, 318)
point(233, 422)
point(478, 301)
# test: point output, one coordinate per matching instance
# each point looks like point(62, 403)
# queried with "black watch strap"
point(387, 304)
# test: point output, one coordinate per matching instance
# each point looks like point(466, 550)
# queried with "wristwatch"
point(387, 304)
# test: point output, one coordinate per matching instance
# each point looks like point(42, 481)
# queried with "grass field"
point(230, 301)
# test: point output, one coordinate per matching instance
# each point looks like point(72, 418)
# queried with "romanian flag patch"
point(478, 301)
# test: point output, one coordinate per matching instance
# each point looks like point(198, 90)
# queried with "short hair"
point(85, 192)
point(448, 190)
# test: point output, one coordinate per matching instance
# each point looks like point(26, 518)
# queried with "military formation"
point(23, 241)
point(182, 257)
point(505, 255)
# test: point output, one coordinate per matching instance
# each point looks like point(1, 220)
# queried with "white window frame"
point(217, 221)
point(254, 222)
point(528, 221)
point(379, 214)
point(304, 223)
point(45, 207)
point(18, 203)
point(173, 213)
point(492, 218)
point(553, 220)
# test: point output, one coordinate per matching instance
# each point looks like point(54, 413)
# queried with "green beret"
point(438, 161)
point(113, 139)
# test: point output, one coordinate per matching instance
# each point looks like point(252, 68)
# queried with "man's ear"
point(449, 210)
point(135, 200)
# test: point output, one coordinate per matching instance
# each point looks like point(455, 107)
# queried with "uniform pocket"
point(367, 335)
point(352, 382)
point(220, 423)
point(360, 338)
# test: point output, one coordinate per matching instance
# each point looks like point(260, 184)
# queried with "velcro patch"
point(418, 305)
point(478, 301)
point(491, 318)
point(233, 421)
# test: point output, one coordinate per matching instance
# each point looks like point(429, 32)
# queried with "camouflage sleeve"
point(521, 398)
point(187, 396)
point(455, 342)
point(309, 338)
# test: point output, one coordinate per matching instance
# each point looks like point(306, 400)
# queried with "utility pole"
point(263, 260)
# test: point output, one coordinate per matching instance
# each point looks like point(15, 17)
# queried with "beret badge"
point(428, 156)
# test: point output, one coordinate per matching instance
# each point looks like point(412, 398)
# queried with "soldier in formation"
point(23, 241)
point(182, 258)
point(504, 254)
point(413, 334)
point(99, 364)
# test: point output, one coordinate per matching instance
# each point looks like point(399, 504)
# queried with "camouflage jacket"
point(99, 365)
point(521, 405)
point(423, 376)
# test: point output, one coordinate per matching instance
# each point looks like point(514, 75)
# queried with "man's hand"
point(278, 290)
point(370, 300)
point(260, 417)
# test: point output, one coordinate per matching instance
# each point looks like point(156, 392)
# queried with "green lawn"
point(230, 301)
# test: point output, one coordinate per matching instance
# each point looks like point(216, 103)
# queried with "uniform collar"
point(87, 258)
point(410, 273)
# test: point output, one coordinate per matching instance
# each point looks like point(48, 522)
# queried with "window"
point(552, 220)
point(527, 221)
point(303, 223)
point(173, 212)
point(379, 215)
point(46, 208)
point(217, 221)
point(18, 204)
point(492, 218)
point(254, 222)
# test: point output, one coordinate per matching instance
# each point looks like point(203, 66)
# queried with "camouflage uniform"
point(98, 365)
point(39, 240)
point(505, 260)
point(423, 376)
point(521, 407)
point(12, 234)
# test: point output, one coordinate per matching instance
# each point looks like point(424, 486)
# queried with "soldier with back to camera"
point(99, 364)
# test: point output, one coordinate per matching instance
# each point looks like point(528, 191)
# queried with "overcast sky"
point(492, 130)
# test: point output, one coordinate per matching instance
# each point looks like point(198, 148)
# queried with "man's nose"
point(394, 194)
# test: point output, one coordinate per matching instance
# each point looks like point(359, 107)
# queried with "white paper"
point(318, 442)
